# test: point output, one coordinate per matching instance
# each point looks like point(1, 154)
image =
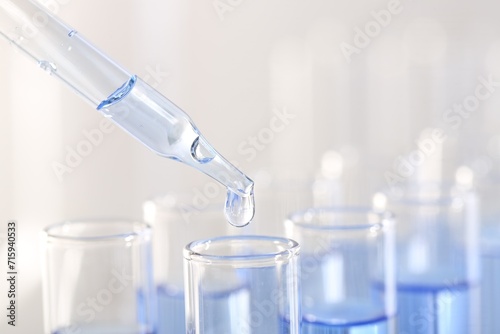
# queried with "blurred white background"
point(233, 66)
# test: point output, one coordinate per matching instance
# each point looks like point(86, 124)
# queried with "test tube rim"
point(292, 250)
point(384, 219)
point(143, 230)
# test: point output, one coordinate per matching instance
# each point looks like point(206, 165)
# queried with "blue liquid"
point(490, 292)
point(222, 312)
point(438, 309)
point(347, 317)
point(373, 326)
point(257, 303)
point(218, 311)
point(352, 304)
point(171, 312)
point(266, 304)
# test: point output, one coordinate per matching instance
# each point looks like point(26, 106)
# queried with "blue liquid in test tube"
point(489, 193)
point(490, 290)
point(347, 270)
point(242, 284)
point(438, 262)
point(170, 309)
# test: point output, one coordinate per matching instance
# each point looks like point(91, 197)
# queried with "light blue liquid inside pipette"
point(164, 128)
point(134, 106)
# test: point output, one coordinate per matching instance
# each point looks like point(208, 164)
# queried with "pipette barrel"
point(60, 50)
point(123, 97)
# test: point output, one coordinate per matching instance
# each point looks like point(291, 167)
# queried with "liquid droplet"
point(201, 151)
point(239, 210)
point(47, 66)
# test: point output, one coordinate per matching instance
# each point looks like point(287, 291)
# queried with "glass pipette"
point(123, 97)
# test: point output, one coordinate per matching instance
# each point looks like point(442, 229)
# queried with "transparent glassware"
point(98, 278)
point(489, 195)
point(438, 259)
point(177, 220)
point(242, 284)
point(121, 96)
point(347, 267)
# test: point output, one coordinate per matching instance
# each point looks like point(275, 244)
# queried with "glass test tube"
point(490, 256)
point(176, 221)
point(242, 284)
point(347, 270)
point(438, 260)
point(97, 278)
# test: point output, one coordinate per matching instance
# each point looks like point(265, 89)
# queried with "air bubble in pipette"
point(201, 152)
point(239, 210)
point(134, 105)
point(169, 137)
point(119, 94)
